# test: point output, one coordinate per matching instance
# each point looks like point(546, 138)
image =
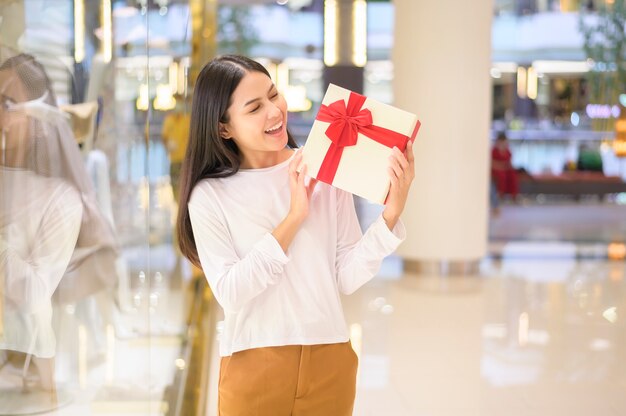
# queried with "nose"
point(275, 111)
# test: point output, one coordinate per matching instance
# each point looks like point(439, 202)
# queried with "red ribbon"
point(345, 125)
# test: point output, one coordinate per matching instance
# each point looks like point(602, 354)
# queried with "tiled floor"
point(499, 344)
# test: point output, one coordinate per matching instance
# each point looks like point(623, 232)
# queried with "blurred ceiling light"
point(564, 67)
point(107, 31)
point(616, 251)
point(79, 30)
point(495, 73)
point(531, 83)
point(296, 98)
point(330, 32)
point(282, 77)
point(173, 77)
point(164, 99)
point(282, 2)
point(602, 111)
point(619, 144)
point(523, 329)
point(359, 33)
point(143, 101)
point(298, 4)
point(143, 197)
point(610, 314)
point(124, 12)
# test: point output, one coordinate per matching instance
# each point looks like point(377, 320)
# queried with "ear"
point(224, 131)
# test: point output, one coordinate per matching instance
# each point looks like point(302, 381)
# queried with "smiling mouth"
point(275, 128)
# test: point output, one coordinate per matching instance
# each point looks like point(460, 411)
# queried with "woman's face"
point(502, 144)
point(257, 117)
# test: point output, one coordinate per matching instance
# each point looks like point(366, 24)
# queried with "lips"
point(275, 129)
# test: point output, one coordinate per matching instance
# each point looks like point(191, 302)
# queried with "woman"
point(277, 249)
point(502, 171)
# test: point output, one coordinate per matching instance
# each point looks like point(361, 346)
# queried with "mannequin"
point(40, 215)
point(53, 238)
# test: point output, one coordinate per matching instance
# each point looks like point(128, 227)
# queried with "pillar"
point(345, 32)
point(203, 35)
point(442, 58)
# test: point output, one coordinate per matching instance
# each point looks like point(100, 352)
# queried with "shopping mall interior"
point(508, 296)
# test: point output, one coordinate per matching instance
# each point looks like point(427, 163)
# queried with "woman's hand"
point(299, 208)
point(401, 172)
point(300, 191)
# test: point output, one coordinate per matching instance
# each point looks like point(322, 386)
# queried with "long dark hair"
point(208, 155)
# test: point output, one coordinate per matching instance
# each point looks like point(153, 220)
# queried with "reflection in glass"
point(53, 238)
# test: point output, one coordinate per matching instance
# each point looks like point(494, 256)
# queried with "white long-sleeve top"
point(40, 220)
point(271, 298)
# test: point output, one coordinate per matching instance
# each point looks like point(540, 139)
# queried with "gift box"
point(351, 140)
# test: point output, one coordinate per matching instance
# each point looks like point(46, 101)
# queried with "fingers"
point(311, 186)
point(401, 158)
point(293, 166)
point(394, 164)
point(403, 163)
point(393, 177)
point(301, 177)
point(409, 153)
point(409, 150)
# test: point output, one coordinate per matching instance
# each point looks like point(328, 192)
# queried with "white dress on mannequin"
point(40, 219)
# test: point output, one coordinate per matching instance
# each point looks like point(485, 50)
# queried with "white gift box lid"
point(363, 167)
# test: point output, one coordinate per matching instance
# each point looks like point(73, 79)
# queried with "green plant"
point(236, 33)
point(605, 47)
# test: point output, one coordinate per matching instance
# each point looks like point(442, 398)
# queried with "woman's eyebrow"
point(257, 99)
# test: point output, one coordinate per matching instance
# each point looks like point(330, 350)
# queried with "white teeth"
point(274, 128)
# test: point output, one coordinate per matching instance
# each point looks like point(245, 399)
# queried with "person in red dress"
point(502, 171)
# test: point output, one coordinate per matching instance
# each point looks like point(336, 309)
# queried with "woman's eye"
point(274, 96)
point(255, 109)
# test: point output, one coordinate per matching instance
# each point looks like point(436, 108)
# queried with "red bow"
point(345, 126)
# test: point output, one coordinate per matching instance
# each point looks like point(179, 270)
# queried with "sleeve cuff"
point(270, 247)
